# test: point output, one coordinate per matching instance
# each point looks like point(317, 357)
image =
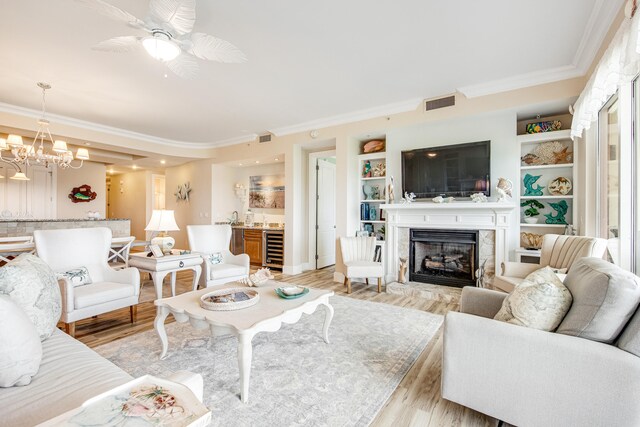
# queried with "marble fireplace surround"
point(491, 219)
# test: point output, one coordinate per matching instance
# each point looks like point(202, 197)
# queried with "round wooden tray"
point(208, 304)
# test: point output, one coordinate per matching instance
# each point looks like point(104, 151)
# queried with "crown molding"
point(600, 20)
point(110, 130)
point(534, 78)
point(355, 116)
point(602, 16)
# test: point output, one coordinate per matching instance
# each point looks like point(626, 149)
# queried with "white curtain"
point(619, 64)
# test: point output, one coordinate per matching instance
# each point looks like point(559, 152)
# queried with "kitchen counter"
point(256, 227)
point(16, 227)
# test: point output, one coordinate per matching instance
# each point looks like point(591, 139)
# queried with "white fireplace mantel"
point(453, 216)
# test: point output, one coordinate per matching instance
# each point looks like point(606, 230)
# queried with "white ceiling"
point(307, 60)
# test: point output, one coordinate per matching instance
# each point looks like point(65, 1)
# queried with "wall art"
point(82, 194)
point(266, 191)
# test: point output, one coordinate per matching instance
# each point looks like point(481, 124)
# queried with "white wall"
point(223, 197)
point(499, 128)
point(93, 174)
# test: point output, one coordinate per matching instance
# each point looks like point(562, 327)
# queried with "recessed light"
point(87, 143)
point(276, 159)
point(257, 161)
point(239, 164)
point(163, 162)
point(111, 171)
point(135, 166)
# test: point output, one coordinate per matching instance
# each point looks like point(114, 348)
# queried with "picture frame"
point(362, 233)
point(156, 251)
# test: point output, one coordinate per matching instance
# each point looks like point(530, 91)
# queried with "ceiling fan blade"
point(118, 44)
point(113, 12)
point(178, 14)
point(184, 66)
point(212, 48)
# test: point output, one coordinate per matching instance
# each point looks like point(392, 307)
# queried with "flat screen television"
point(449, 171)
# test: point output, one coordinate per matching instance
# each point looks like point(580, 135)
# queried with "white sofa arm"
point(518, 269)
point(241, 259)
point(129, 275)
point(67, 294)
point(533, 378)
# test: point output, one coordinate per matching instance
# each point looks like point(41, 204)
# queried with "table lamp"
point(162, 221)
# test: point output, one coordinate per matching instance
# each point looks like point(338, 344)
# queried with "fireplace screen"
point(443, 257)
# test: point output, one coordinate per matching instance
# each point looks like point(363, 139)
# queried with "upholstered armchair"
point(357, 257)
point(71, 249)
point(557, 251)
point(220, 265)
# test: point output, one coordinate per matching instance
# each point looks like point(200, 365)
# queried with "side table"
point(160, 267)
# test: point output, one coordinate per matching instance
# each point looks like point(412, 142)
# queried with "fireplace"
point(443, 257)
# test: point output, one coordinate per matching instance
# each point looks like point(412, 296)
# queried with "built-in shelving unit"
point(372, 186)
point(545, 174)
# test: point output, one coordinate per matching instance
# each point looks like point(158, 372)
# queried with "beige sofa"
point(557, 251)
point(528, 377)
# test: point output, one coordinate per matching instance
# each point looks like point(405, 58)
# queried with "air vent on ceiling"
point(434, 104)
point(265, 138)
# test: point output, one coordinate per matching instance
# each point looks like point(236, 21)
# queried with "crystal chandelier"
point(34, 153)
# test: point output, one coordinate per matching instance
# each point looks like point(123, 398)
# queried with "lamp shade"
point(162, 220)
point(20, 176)
point(59, 146)
point(14, 140)
point(82, 154)
point(3, 144)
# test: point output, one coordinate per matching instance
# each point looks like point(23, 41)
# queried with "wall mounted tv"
point(449, 171)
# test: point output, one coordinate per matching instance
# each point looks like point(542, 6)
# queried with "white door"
point(33, 198)
point(326, 214)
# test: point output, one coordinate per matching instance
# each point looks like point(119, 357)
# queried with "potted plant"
point(532, 211)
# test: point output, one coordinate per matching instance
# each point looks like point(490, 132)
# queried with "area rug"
point(296, 378)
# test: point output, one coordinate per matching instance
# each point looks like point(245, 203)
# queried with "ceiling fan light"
point(14, 140)
point(20, 176)
point(59, 146)
point(161, 47)
point(82, 154)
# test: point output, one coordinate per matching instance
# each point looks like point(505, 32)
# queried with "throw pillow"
point(32, 285)
point(78, 276)
point(20, 346)
point(604, 298)
point(215, 258)
point(538, 302)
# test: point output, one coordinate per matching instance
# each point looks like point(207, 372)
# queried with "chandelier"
point(34, 153)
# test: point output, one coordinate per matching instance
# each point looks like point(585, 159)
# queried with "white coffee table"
point(168, 264)
point(267, 315)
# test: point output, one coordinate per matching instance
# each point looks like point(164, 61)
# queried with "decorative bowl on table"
point(531, 220)
point(229, 299)
point(291, 292)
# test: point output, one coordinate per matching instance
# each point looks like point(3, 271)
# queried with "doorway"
point(322, 208)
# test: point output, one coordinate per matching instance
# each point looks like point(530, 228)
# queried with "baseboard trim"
point(292, 269)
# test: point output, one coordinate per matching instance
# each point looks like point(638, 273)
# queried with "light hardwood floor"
point(416, 401)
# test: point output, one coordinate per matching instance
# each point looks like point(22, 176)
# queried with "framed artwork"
point(266, 191)
point(362, 233)
point(156, 251)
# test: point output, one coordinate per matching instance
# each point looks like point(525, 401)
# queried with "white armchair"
point(109, 290)
point(212, 239)
point(357, 257)
point(557, 251)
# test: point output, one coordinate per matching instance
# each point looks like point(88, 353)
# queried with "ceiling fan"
point(169, 25)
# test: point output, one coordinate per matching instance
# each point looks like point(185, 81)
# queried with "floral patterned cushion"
point(215, 258)
point(32, 285)
point(78, 276)
point(540, 302)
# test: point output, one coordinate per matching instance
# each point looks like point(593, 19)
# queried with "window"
point(609, 178)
